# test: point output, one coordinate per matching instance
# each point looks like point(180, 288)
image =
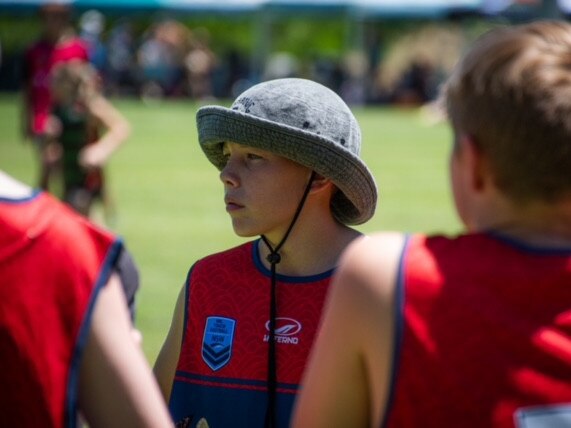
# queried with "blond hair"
point(512, 93)
point(79, 78)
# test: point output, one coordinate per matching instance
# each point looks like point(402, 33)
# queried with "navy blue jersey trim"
point(224, 380)
point(285, 278)
point(398, 329)
point(186, 302)
point(528, 248)
point(35, 193)
point(72, 386)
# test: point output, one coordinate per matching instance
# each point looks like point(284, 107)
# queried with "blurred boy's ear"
point(475, 162)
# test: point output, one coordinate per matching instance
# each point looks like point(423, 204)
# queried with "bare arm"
point(167, 360)
point(346, 382)
point(116, 385)
point(117, 130)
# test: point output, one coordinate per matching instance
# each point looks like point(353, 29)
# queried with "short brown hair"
point(512, 93)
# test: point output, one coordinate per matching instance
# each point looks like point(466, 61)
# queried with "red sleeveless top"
point(222, 369)
point(484, 337)
point(52, 262)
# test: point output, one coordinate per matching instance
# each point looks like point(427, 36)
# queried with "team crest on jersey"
point(217, 341)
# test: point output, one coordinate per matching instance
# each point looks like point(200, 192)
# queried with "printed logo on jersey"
point(286, 331)
point(217, 341)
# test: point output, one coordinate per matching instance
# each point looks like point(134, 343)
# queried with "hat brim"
point(358, 198)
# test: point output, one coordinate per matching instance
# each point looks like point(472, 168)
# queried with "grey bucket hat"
point(305, 122)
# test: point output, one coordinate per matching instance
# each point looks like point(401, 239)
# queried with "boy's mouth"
point(232, 205)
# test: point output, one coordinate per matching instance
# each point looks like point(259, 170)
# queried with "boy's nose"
point(228, 175)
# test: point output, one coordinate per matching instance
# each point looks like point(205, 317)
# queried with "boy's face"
point(261, 190)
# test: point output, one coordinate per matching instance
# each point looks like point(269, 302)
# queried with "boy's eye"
point(253, 156)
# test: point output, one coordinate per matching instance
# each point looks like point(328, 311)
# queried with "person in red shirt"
point(475, 330)
point(58, 43)
point(67, 344)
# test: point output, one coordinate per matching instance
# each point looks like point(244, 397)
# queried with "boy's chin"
point(245, 234)
point(244, 229)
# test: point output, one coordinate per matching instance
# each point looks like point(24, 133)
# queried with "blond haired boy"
point(471, 331)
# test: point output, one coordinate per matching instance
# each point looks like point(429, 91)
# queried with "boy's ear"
point(319, 182)
point(475, 162)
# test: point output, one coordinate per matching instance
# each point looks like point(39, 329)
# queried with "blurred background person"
point(91, 26)
point(58, 43)
point(121, 60)
point(67, 345)
point(200, 64)
point(87, 129)
point(161, 59)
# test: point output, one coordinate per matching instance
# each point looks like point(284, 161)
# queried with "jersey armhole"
point(186, 304)
point(398, 329)
point(106, 270)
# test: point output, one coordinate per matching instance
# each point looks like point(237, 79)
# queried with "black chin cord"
point(274, 258)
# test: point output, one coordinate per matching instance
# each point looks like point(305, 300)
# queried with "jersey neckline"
point(285, 278)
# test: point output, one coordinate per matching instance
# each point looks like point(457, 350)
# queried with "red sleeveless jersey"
point(222, 369)
point(484, 337)
point(40, 58)
point(52, 262)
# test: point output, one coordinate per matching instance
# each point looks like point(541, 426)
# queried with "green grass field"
point(170, 209)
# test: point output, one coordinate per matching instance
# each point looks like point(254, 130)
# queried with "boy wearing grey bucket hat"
point(288, 154)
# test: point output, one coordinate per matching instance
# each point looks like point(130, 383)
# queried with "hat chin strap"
point(274, 258)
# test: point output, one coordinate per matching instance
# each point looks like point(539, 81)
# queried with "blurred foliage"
point(329, 34)
point(16, 32)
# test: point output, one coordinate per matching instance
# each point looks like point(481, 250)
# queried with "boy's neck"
point(538, 223)
point(311, 250)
